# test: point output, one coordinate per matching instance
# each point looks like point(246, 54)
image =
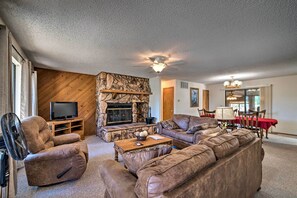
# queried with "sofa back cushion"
point(222, 145)
point(164, 173)
point(133, 160)
point(37, 134)
point(244, 136)
point(194, 120)
point(182, 121)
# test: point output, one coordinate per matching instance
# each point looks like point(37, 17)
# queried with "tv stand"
point(73, 125)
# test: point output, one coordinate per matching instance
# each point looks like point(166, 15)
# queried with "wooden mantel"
point(125, 92)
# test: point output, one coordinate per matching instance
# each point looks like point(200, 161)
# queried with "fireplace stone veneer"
point(117, 88)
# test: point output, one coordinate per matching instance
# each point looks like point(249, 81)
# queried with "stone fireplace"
point(116, 90)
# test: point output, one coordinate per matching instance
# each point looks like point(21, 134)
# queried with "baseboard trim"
point(280, 133)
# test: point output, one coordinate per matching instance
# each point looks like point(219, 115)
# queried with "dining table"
point(263, 123)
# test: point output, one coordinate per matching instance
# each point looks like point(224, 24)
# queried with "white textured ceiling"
point(249, 38)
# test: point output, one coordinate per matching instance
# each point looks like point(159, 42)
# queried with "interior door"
point(206, 99)
point(168, 103)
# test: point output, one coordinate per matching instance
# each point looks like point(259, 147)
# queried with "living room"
point(132, 78)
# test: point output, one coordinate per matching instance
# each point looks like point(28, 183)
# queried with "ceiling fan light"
point(158, 67)
point(231, 97)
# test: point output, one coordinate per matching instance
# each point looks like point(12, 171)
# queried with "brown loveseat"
point(224, 166)
point(181, 138)
point(52, 159)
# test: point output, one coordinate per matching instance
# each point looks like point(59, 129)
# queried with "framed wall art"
point(194, 97)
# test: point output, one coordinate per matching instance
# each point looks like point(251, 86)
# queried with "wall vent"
point(184, 85)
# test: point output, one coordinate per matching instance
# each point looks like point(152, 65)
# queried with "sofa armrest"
point(159, 128)
point(54, 153)
point(197, 137)
point(66, 139)
point(119, 182)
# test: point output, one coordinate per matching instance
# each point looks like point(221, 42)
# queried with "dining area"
point(231, 119)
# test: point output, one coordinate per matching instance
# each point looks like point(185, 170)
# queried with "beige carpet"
point(279, 172)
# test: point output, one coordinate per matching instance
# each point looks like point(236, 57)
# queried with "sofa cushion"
point(210, 131)
point(184, 136)
point(169, 124)
point(244, 136)
point(165, 173)
point(182, 121)
point(222, 145)
point(171, 133)
point(133, 160)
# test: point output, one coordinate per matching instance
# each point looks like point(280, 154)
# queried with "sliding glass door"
point(243, 99)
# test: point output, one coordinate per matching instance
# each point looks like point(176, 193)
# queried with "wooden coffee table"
point(122, 146)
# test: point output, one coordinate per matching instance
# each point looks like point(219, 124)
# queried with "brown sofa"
point(52, 159)
point(224, 166)
point(181, 138)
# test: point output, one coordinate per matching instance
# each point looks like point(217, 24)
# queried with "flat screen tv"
point(63, 110)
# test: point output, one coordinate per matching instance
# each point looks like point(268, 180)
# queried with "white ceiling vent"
point(184, 85)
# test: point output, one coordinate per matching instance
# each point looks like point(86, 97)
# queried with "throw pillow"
point(133, 160)
point(197, 127)
point(193, 129)
point(169, 124)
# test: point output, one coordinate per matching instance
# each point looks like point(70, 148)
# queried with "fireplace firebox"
point(119, 113)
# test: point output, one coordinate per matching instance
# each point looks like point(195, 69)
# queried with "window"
point(243, 99)
point(16, 85)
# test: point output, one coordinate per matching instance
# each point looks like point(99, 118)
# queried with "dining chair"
point(200, 112)
point(210, 113)
point(250, 121)
point(231, 124)
point(261, 114)
point(240, 113)
point(235, 112)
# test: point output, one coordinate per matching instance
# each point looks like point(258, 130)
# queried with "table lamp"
point(224, 114)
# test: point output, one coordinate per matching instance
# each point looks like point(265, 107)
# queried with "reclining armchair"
point(52, 159)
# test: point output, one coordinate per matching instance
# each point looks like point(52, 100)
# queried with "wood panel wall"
point(62, 86)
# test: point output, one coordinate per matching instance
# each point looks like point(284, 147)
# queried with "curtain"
point(6, 95)
point(5, 74)
point(266, 101)
point(34, 94)
point(26, 90)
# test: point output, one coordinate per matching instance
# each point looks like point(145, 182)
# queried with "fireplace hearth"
point(119, 113)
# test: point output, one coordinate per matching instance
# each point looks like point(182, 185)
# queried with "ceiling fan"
point(160, 62)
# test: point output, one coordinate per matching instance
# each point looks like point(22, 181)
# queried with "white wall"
point(182, 99)
point(284, 100)
point(156, 98)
